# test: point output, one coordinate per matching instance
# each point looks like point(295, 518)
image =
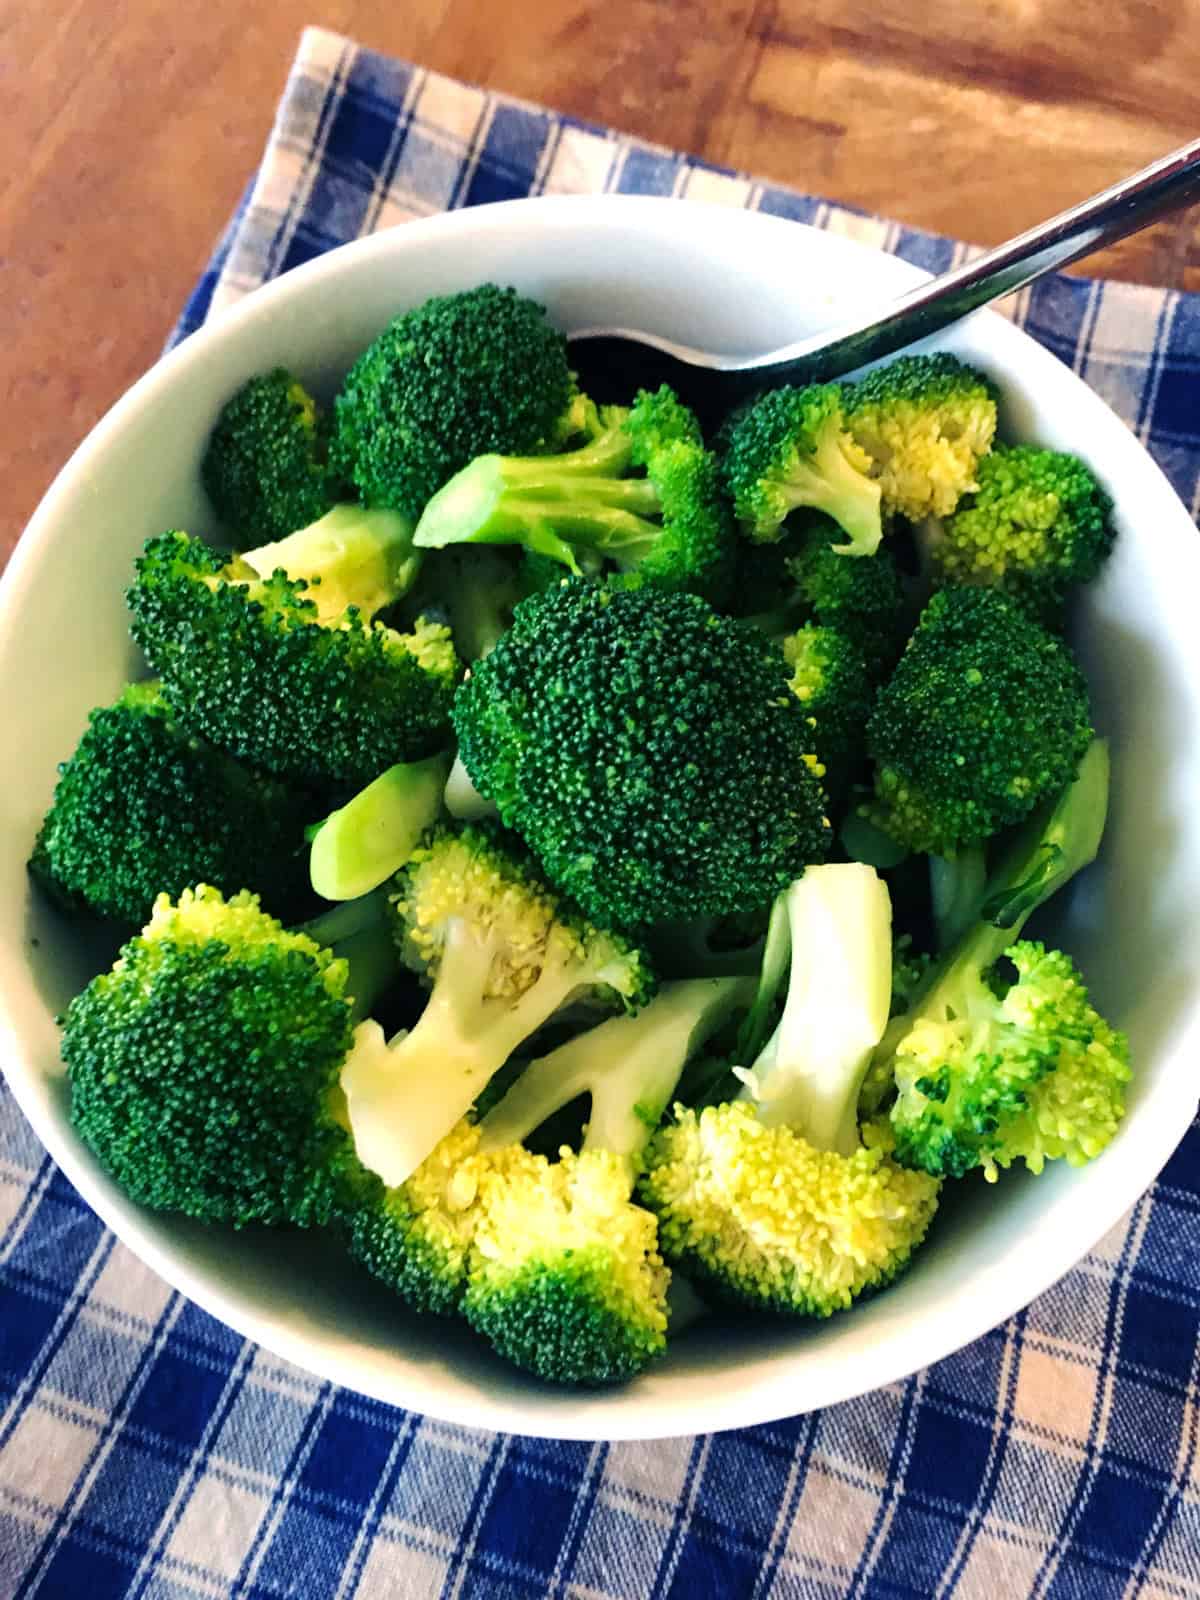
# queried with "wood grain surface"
point(129, 128)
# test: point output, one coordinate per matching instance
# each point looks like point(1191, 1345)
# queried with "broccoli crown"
point(862, 599)
point(648, 750)
point(565, 1279)
point(249, 665)
point(829, 678)
point(461, 376)
point(143, 808)
point(757, 1217)
point(791, 449)
point(204, 1067)
point(990, 1073)
point(264, 469)
point(923, 422)
point(1037, 524)
point(588, 505)
point(985, 714)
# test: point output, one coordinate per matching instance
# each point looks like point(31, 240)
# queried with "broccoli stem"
point(827, 481)
point(808, 1075)
point(462, 799)
point(350, 557)
point(956, 884)
point(362, 844)
point(358, 932)
point(405, 1094)
point(629, 1065)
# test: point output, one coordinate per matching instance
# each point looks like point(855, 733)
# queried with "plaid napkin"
point(147, 1451)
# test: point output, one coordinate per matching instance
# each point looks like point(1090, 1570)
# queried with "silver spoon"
point(612, 362)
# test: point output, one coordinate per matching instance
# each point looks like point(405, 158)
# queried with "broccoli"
point(503, 954)
point(1037, 524)
point(790, 449)
point(999, 1056)
point(862, 599)
point(829, 678)
point(460, 376)
point(204, 1067)
point(144, 807)
point(648, 750)
point(363, 843)
point(984, 716)
point(923, 423)
point(476, 589)
point(254, 666)
point(668, 523)
point(265, 466)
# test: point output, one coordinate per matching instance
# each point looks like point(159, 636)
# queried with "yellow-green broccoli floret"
point(502, 953)
point(829, 678)
point(923, 422)
point(986, 714)
point(792, 448)
point(204, 1067)
point(642, 494)
point(258, 665)
point(1037, 524)
point(265, 467)
point(758, 1217)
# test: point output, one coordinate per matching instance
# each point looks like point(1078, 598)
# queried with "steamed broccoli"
point(923, 423)
point(648, 750)
point(1037, 524)
point(643, 494)
point(144, 807)
point(265, 467)
point(261, 667)
point(367, 840)
point(791, 448)
point(999, 1056)
point(503, 954)
point(985, 715)
point(862, 599)
point(829, 678)
point(459, 376)
point(204, 1067)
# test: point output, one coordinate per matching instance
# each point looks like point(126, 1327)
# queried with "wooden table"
point(129, 128)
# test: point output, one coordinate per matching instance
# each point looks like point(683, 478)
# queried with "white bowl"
point(738, 281)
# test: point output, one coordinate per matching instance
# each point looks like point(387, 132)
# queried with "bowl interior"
point(735, 281)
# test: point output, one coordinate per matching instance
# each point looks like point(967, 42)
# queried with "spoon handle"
point(1163, 186)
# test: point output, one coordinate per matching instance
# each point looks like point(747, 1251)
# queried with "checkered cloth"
point(147, 1451)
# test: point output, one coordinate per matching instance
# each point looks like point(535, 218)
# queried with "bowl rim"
point(614, 1414)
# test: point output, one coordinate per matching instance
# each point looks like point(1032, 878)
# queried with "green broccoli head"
point(265, 467)
point(565, 1279)
point(641, 494)
point(460, 376)
point(862, 599)
point(923, 422)
point(1037, 524)
point(502, 953)
point(253, 667)
point(989, 1072)
point(791, 448)
point(649, 751)
point(829, 678)
point(756, 1217)
point(985, 714)
point(144, 807)
point(204, 1067)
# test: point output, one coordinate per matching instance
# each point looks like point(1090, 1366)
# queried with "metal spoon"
point(612, 362)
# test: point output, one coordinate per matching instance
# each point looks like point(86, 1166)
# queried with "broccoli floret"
point(648, 750)
point(265, 467)
point(204, 1067)
point(461, 376)
point(349, 558)
point(923, 422)
point(829, 678)
point(757, 1217)
point(144, 807)
point(862, 599)
point(1037, 524)
point(988, 1070)
point(503, 954)
point(985, 714)
point(791, 448)
point(253, 666)
point(643, 494)
point(363, 843)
